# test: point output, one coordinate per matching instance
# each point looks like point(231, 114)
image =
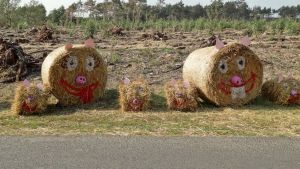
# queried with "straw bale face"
point(236, 76)
point(285, 92)
point(134, 96)
point(181, 96)
point(231, 75)
point(30, 99)
point(77, 75)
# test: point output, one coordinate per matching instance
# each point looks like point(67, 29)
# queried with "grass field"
point(260, 118)
point(158, 62)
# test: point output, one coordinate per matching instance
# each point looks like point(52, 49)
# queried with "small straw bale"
point(181, 96)
point(30, 99)
point(76, 74)
point(228, 75)
point(134, 96)
point(284, 91)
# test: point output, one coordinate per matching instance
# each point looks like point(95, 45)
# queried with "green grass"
point(288, 26)
point(257, 119)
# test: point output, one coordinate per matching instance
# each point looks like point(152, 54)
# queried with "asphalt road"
point(149, 152)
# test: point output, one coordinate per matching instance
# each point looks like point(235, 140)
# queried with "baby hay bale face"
point(134, 96)
point(237, 74)
point(181, 96)
point(282, 91)
point(225, 75)
point(30, 99)
point(76, 74)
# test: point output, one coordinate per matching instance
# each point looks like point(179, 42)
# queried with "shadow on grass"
point(4, 105)
point(158, 104)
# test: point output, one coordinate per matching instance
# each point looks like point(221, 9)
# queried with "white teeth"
point(238, 92)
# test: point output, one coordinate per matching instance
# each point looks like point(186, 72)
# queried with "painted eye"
point(223, 66)
point(72, 63)
point(241, 62)
point(286, 86)
point(90, 64)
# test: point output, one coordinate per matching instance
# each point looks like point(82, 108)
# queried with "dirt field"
point(158, 61)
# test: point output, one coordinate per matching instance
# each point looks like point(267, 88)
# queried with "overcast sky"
point(51, 4)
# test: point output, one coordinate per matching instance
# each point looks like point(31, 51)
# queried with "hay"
point(30, 100)
point(283, 92)
point(229, 76)
point(76, 74)
point(181, 96)
point(134, 96)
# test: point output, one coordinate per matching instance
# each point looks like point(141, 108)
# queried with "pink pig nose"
point(135, 101)
point(294, 93)
point(80, 80)
point(236, 80)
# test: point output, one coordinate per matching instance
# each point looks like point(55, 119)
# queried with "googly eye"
point(241, 62)
point(72, 63)
point(90, 64)
point(223, 66)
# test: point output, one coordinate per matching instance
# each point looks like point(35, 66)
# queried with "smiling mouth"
point(238, 91)
point(136, 104)
point(28, 108)
point(294, 99)
point(85, 94)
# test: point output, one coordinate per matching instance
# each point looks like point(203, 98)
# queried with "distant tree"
point(215, 9)
point(8, 9)
point(57, 15)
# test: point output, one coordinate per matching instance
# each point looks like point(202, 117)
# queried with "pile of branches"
point(156, 36)
point(45, 34)
point(116, 31)
point(15, 64)
point(211, 41)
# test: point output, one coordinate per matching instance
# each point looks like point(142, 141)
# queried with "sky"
point(275, 4)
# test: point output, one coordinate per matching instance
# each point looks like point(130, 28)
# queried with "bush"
point(90, 29)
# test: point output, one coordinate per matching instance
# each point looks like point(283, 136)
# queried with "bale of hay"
point(181, 96)
point(282, 91)
point(225, 75)
point(30, 99)
point(134, 96)
point(76, 74)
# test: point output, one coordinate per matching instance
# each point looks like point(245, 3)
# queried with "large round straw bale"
point(76, 74)
point(229, 76)
point(286, 91)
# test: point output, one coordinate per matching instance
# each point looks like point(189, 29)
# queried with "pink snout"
point(294, 93)
point(135, 101)
point(236, 81)
point(80, 80)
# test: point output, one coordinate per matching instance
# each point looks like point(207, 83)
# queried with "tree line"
point(134, 10)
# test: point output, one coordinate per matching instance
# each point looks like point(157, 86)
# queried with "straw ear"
point(186, 84)
point(68, 46)
point(126, 81)
point(245, 41)
point(40, 86)
point(280, 78)
point(290, 76)
point(219, 43)
point(173, 82)
point(26, 83)
point(89, 43)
